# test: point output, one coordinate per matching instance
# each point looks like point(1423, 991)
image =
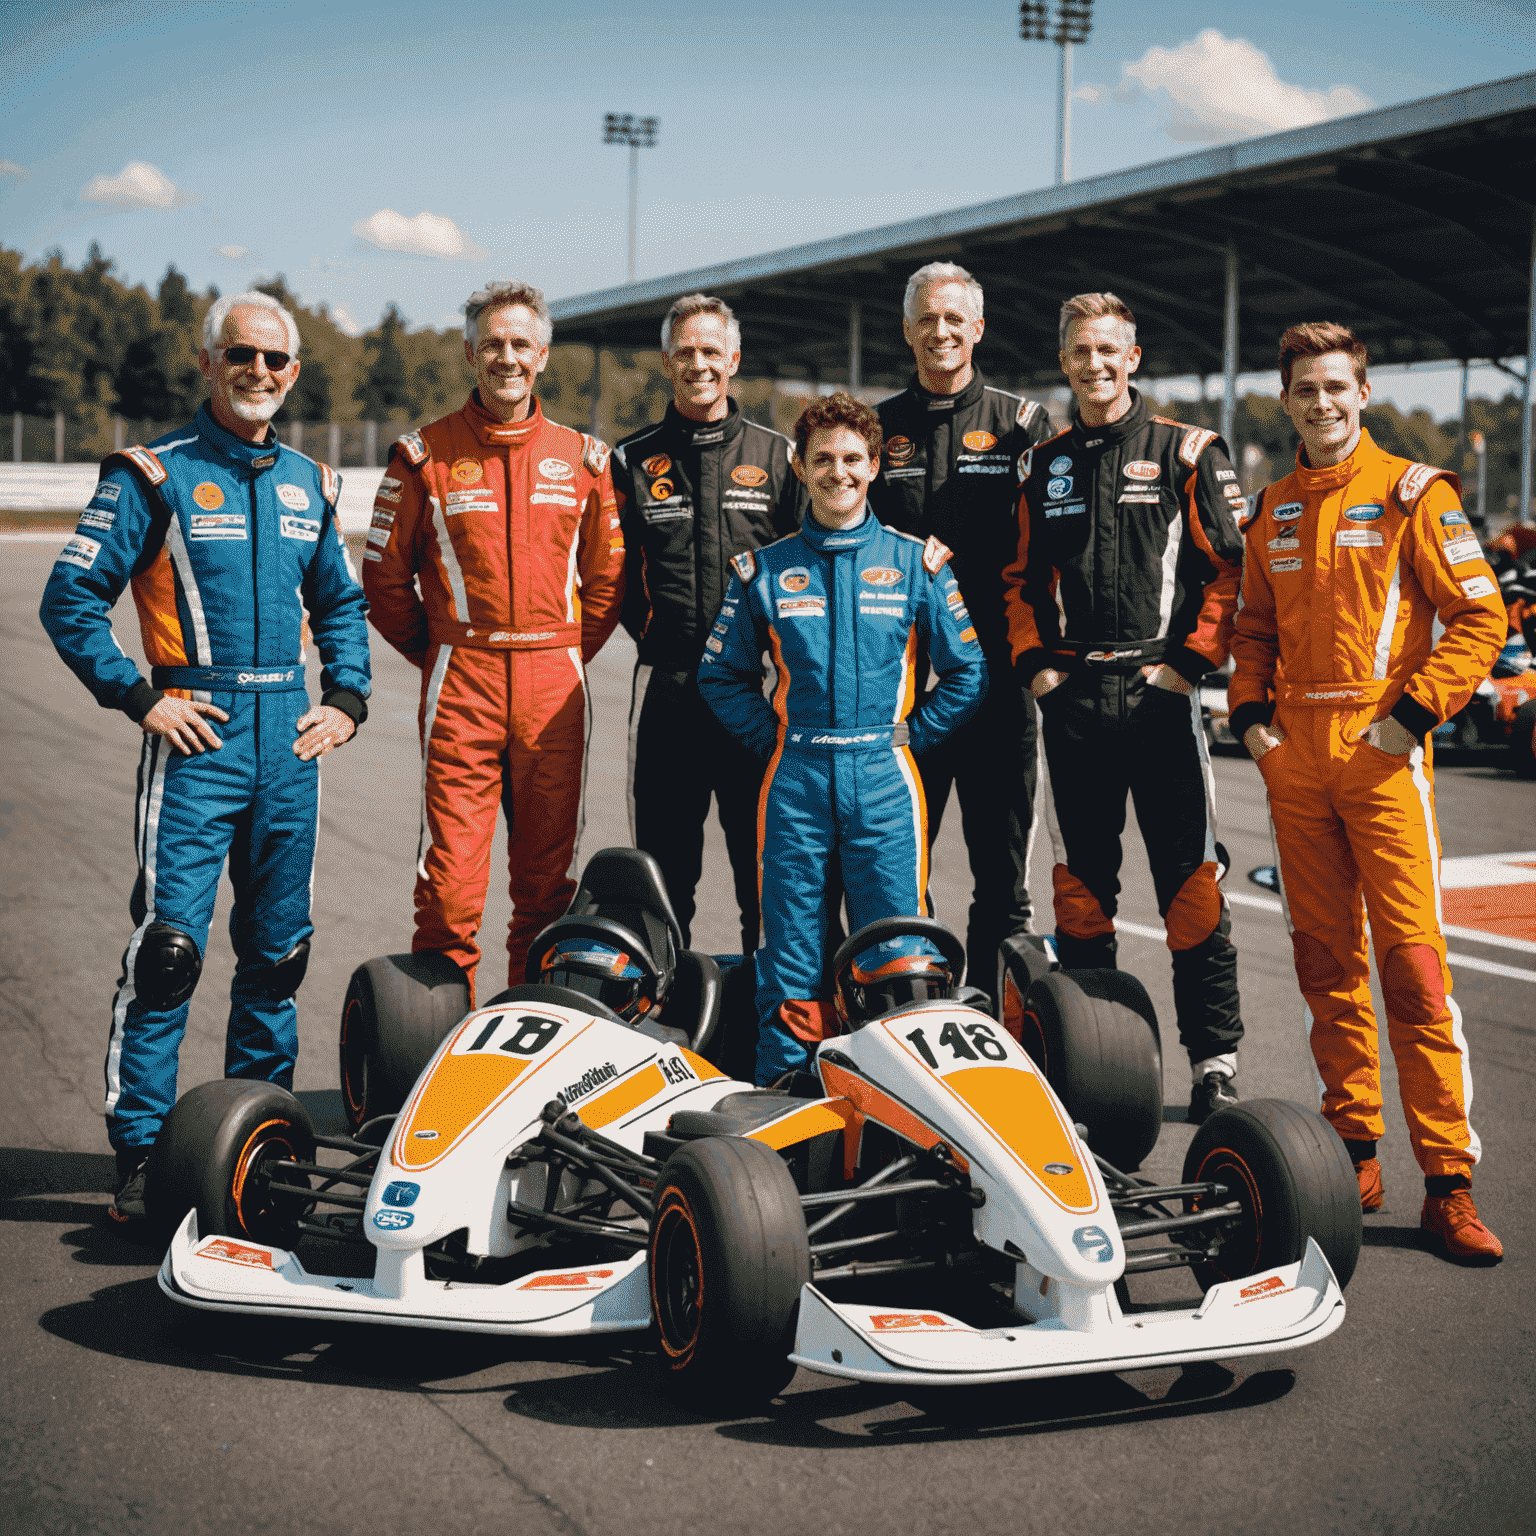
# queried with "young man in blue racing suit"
point(229, 539)
point(842, 606)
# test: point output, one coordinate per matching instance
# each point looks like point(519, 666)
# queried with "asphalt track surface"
point(120, 1411)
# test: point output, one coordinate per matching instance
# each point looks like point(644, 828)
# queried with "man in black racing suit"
point(694, 489)
point(1120, 599)
point(950, 471)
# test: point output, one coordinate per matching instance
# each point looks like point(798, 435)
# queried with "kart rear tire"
point(1094, 1035)
point(1287, 1168)
point(728, 1255)
point(1522, 741)
point(210, 1156)
point(397, 1011)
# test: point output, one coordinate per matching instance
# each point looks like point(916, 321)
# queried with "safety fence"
point(88, 439)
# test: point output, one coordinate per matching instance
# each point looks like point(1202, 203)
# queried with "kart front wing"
point(1281, 1309)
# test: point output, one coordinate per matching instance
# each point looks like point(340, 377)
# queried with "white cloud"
point(137, 185)
point(1218, 88)
point(344, 321)
point(14, 172)
point(428, 234)
point(237, 253)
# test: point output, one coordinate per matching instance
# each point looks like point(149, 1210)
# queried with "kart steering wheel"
point(884, 928)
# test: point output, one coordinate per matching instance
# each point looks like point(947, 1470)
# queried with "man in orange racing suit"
point(1350, 559)
point(509, 523)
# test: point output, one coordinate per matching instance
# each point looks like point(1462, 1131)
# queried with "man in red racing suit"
point(508, 522)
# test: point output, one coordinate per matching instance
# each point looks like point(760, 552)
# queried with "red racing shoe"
point(1454, 1220)
point(1372, 1190)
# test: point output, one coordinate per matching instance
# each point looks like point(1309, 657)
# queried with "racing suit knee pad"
point(1413, 985)
point(284, 977)
point(166, 970)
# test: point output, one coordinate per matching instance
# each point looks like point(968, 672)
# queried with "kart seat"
point(626, 885)
point(693, 1003)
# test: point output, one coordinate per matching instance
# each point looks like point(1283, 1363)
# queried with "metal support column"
point(1229, 353)
point(634, 204)
point(16, 438)
point(1523, 513)
point(1064, 118)
point(855, 345)
point(58, 435)
point(333, 445)
point(1461, 415)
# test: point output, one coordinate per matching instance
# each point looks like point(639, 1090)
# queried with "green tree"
point(386, 394)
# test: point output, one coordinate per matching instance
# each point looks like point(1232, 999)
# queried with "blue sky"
point(280, 134)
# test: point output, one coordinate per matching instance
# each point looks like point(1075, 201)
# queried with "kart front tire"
point(397, 1011)
point(728, 1256)
point(1094, 1034)
point(1292, 1176)
point(213, 1155)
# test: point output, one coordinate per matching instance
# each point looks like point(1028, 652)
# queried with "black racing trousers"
point(992, 763)
point(1106, 735)
point(679, 756)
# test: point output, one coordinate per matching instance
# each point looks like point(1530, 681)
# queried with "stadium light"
point(638, 133)
point(1064, 23)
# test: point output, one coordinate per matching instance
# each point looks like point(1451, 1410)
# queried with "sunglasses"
point(241, 356)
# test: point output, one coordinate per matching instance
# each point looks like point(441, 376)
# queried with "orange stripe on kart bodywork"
point(628, 1095)
point(1018, 1109)
point(802, 1124)
point(703, 1069)
point(460, 1090)
point(880, 1107)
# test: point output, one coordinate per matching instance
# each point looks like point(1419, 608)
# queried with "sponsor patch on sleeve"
point(330, 484)
point(1195, 443)
point(936, 556)
point(1414, 482)
point(107, 491)
point(146, 464)
point(99, 518)
point(413, 449)
point(1478, 586)
point(595, 456)
point(745, 564)
point(80, 551)
point(1460, 551)
point(305, 528)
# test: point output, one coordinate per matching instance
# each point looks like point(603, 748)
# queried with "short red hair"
point(1313, 338)
point(829, 412)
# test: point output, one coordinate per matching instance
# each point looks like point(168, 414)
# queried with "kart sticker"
point(1479, 586)
point(231, 1252)
point(914, 1322)
point(1264, 1290)
point(393, 1221)
point(1221, 474)
point(574, 1280)
point(294, 496)
point(401, 1192)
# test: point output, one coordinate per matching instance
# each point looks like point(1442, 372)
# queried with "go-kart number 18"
point(963, 1042)
point(530, 1034)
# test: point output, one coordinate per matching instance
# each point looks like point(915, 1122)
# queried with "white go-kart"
point(941, 1202)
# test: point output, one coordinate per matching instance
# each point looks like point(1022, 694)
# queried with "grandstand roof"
point(1413, 224)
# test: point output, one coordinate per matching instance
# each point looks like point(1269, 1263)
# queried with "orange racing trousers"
point(1356, 837)
point(507, 728)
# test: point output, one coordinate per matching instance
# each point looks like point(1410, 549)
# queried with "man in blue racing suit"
point(228, 539)
point(843, 607)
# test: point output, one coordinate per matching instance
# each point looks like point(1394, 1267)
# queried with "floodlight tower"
point(639, 133)
point(1065, 22)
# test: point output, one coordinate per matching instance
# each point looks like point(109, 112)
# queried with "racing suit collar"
point(937, 403)
point(832, 541)
point(492, 430)
point(1115, 431)
point(705, 434)
point(1333, 476)
point(255, 457)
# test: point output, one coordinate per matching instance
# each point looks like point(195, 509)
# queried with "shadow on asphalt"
point(637, 1398)
point(1373, 1236)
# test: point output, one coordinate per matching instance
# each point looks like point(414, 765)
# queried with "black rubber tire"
point(728, 1256)
point(1522, 741)
point(209, 1156)
point(397, 1010)
point(1094, 1035)
point(1292, 1175)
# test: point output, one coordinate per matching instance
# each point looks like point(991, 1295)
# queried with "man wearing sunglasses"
point(230, 542)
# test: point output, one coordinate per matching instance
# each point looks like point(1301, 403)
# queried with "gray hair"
point(692, 304)
point(218, 313)
point(1095, 306)
point(495, 296)
point(939, 272)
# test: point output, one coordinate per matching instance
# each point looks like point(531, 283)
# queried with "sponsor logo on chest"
point(657, 464)
point(1283, 567)
point(1061, 464)
point(305, 528)
point(294, 497)
point(1367, 512)
point(1142, 469)
point(208, 496)
point(1288, 513)
point(749, 474)
point(802, 607)
point(795, 579)
point(1358, 538)
point(203, 526)
point(556, 469)
point(466, 472)
point(899, 450)
point(880, 576)
point(979, 442)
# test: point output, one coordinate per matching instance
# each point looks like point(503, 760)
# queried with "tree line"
point(85, 343)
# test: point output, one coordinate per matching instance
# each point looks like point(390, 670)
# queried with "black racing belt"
point(1120, 657)
point(285, 678)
